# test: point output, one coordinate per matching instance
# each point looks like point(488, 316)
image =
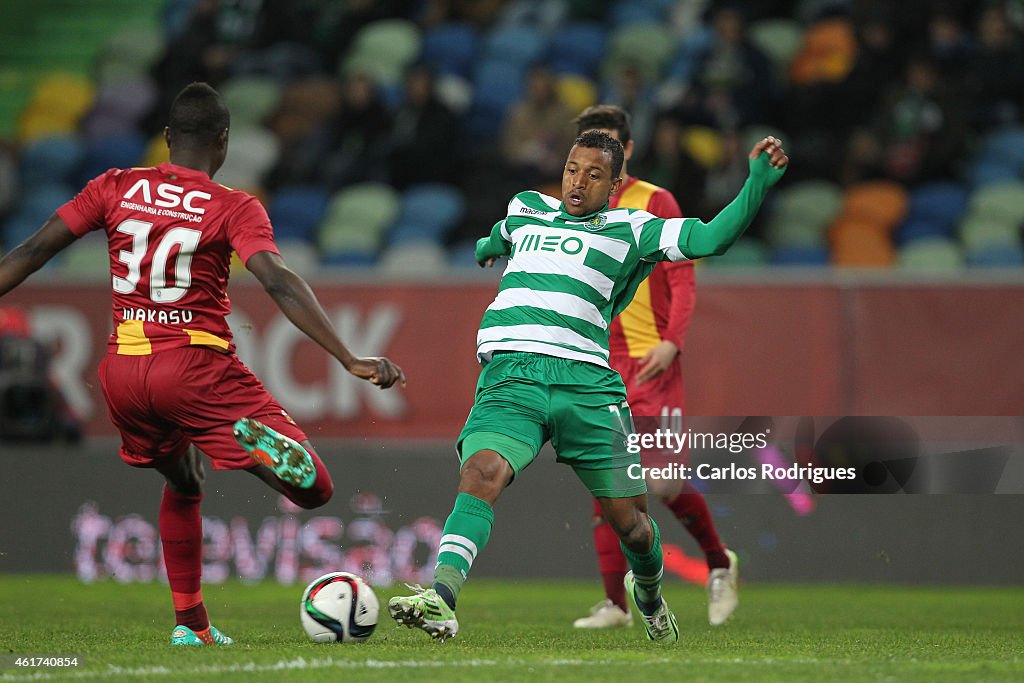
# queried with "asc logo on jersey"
point(168, 196)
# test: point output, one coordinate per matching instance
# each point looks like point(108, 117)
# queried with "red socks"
point(181, 534)
point(321, 491)
point(692, 510)
point(610, 560)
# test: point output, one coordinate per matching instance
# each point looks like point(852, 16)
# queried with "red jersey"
point(663, 303)
point(171, 231)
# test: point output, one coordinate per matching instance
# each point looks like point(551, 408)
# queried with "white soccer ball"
point(339, 608)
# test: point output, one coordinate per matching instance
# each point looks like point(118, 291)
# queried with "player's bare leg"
point(641, 543)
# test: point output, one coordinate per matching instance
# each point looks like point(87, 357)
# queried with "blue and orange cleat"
point(285, 457)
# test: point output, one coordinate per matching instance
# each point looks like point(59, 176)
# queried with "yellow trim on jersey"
point(200, 338)
point(638, 325)
point(132, 340)
point(637, 196)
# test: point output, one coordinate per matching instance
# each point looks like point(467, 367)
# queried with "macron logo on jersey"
point(168, 196)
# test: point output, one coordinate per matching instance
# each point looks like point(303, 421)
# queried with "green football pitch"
point(521, 631)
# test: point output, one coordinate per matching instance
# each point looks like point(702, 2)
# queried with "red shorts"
point(164, 402)
point(656, 404)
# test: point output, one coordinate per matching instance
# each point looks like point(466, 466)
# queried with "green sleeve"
point(494, 246)
point(698, 239)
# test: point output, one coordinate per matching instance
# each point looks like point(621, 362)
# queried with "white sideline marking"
point(299, 663)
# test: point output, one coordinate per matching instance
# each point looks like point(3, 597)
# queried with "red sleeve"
point(682, 285)
point(87, 210)
point(249, 230)
point(663, 205)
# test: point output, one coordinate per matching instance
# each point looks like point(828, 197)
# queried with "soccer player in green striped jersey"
point(543, 343)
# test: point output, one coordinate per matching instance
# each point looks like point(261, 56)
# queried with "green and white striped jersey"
point(568, 277)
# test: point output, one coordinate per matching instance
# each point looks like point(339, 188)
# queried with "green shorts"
point(526, 399)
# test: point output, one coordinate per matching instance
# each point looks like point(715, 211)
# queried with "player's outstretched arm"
point(33, 253)
point(489, 249)
point(768, 162)
point(297, 301)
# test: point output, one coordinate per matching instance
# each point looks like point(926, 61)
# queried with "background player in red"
point(171, 378)
point(645, 343)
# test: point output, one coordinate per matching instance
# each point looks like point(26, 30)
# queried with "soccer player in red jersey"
point(172, 381)
point(645, 343)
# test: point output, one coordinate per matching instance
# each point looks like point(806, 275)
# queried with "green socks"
point(465, 534)
point(647, 569)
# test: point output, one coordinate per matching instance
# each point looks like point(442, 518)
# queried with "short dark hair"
point(596, 139)
point(604, 117)
point(198, 115)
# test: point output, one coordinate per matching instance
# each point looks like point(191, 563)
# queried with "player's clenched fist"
point(377, 370)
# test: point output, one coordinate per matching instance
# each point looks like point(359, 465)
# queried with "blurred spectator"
point(424, 141)
point(356, 139)
point(725, 178)
point(537, 131)
point(863, 158)
point(949, 43)
point(734, 81)
point(667, 164)
point(922, 125)
point(996, 74)
point(632, 93)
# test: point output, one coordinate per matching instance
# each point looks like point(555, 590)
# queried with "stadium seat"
point(303, 104)
point(1002, 201)
point(577, 48)
point(253, 152)
point(497, 85)
point(827, 53)
point(356, 220)
point(800, 256)
point(979, 231)
point(646, 46)
point(451, 48)
point(88, 257)
point(933, 256)
point(1004, 146)
point(427, 213)
point(780, 39)
point(684, 61)
point(745, 253)
point(703, 144)
point(51, 159)
point(983, 172)
point(122, 150)
point(517, 44)
point(57, 103)
point(626, 12)
point(856, 244)
point(576, 92)
point(383, 49)
point(455, 92)
point(541, 15)
point(814, 202)
point(463, 255)
point(792, 232)
point(118, 107)
point(880, 202)
point(36, 206)
point(914, 229)
point(129, 53)
point(1008, 256)
point(251, 99)
point(942, 203)
point(296, 212)
point(414, 260)
point(300, 255)
point(156, 151)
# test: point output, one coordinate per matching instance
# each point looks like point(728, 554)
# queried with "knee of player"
point(635, 532)
point(320, 494)
point(485, 471)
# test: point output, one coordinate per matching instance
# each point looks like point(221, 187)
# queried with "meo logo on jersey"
point(560, 242)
